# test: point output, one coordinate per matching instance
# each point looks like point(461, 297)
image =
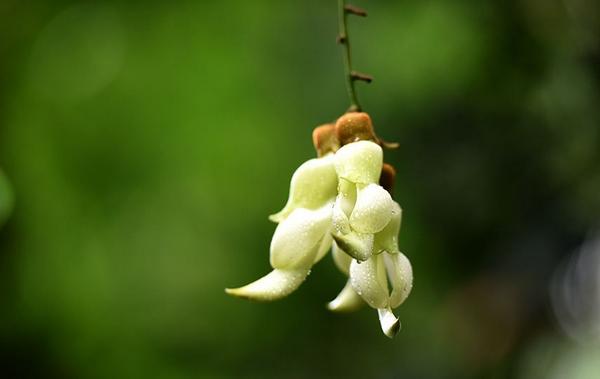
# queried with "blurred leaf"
point(6, 198)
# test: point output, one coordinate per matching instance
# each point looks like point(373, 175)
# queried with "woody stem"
point(344, 40)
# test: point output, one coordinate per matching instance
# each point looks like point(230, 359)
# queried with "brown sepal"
point(354, 126)
point(388, 175)
point(325, 139)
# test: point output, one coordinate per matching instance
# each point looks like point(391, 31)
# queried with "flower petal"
point(359, 162)
point(273, 286)
point(387, 239)
point(359, 246)
point(389, 323)
point(341, 259)
point(400, 275)
point(313, 183)
point(342, 209)
point(324, 246)
point(294, 243)
point(369, 281)
point(347, 300)
point(373, 209)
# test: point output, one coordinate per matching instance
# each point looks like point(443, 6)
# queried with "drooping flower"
point(337, 201)
point(302, 236)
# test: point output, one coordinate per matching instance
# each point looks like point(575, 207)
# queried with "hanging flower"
point(336, 202)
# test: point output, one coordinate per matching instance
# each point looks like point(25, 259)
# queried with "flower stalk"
point(351, 75)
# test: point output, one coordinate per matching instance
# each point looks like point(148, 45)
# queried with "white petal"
point(341, 259)
point(339, 219)
point(387, 239)
point(400, 274)
point(313, 184)
point(369, 281)
point(347, 300)
point(357, 245)
point(389, 323)
point(373, 209)
point(324, 246)
point(346, 196)
point(295, 241)
point(274, 286)
point(359, 162)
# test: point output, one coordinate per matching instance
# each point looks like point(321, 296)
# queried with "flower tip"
point(390, 324)
point(347, 300)
point(277, 217)
point(273, 286)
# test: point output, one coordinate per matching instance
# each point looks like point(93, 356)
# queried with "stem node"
point(355, 75)
point(352, 9)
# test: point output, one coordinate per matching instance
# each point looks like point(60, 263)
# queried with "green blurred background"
point(145, 143)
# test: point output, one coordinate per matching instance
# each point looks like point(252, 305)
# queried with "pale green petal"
point(369, 281)
point(344, 203)
point(295, 241)
point(357, 245)
point(313, 184)
point(359, 162)
point(324, 246)
point(387, 239)
point(400, 275)
point(390, 325)
point(346, 196)
point(339, 219)
point(347, 300)
point(341, 259)
point(373, 209)
point(274, 286)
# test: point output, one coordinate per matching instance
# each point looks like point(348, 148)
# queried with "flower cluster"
point(337, 202)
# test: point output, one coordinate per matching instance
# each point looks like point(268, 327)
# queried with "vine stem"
point(350, 75)
point(344, 40)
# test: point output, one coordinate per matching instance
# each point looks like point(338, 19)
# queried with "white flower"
point(337, 197)
point(303, 236)
point(384, 277)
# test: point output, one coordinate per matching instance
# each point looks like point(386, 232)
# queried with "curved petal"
point(389, 323)
point(347, 300)
point(346, 196)
point(294, 243)
point(359, 246)
point(342, 209)
point(341, 259)
point(313, 183)
point(369, 281)
point(324, 246)
point(387, 239)
point(273, 286)
point(373, 209)
point(359, 162)
point(400, 275)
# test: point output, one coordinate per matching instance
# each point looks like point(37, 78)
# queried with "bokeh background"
point(143, 144)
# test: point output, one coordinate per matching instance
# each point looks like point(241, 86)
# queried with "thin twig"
point(351, 76)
